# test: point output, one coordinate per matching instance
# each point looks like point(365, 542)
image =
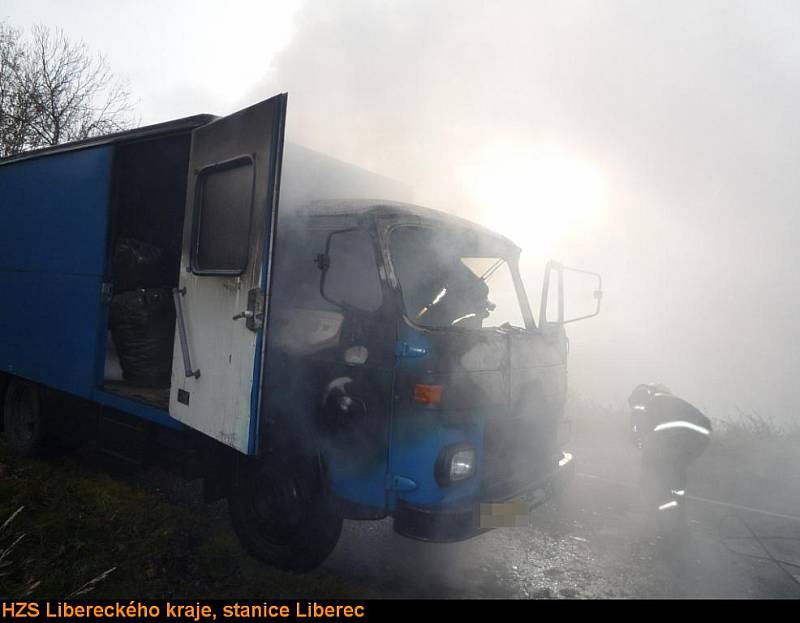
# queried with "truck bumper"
point(458, 522)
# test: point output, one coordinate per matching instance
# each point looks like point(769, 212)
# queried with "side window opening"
point(351, 278)
point(303, 322)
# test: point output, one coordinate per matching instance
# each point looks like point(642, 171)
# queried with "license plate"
point(512, 514)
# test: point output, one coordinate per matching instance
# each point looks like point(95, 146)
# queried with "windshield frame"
point(506, 250)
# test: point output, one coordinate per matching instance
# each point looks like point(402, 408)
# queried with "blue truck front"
point(479, 389)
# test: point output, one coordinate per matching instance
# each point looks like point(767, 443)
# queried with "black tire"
point(23, 419)
point(3, 385)
point(283, 514)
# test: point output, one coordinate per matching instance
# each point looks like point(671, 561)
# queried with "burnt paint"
point(503, 392)
point(303, 392)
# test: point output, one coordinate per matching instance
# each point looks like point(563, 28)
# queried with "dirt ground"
point(597, 540)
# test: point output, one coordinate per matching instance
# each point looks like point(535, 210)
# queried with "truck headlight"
point(455, 463)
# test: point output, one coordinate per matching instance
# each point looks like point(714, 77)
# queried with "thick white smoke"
point(677, 123)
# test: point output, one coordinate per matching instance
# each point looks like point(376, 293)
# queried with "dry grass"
point(9, 540)
point(751, 424)
point(70, 528)
point(752, 459)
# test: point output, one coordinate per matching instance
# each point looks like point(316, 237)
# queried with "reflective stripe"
point(439, 296)
point(682, 424)
point(639, 407)
point(680, 492)
point(664, 507)
point(457, 320)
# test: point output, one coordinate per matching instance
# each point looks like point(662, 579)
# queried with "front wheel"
point(283, 514)
point(23, 420)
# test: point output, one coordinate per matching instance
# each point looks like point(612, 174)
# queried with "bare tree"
point(54, 90)
point(14, 104)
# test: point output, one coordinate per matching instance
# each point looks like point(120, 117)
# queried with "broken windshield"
point(455, 279)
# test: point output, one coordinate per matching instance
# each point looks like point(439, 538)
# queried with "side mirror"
point(350, 276)
point(581, 290)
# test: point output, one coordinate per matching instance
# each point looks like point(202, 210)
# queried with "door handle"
point(254, 314)
point(177, 293)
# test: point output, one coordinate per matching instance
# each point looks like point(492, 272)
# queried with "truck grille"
point(517, 452)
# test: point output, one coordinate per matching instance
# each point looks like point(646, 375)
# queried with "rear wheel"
point(283, 514)
point(3, 385)
point(23, 420)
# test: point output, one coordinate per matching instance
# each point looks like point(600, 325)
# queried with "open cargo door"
point(231, 211)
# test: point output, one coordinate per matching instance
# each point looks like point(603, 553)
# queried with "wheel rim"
point(278, 504)
point(23, 419)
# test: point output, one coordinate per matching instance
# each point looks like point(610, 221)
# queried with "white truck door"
point(231, 212)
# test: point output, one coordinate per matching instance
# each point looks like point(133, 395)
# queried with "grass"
point(756, 446)
point(70, 530)
point(78, 528)
point(739, 428)
point(747, 425)
point(9, 540)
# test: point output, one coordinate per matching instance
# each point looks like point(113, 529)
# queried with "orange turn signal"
point(428, 394)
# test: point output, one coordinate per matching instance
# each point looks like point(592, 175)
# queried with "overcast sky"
point(656, 142)
point(180, 56)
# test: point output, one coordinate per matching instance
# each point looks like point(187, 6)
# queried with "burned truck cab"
point(404, 353)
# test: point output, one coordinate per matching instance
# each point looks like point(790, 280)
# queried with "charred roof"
point(388, 209)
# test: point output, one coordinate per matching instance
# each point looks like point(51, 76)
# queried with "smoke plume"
point(653, 142)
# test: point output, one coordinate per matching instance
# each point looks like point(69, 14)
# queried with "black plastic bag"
point(142, 324)
point(138, 264)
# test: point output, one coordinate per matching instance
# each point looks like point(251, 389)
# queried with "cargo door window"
point(223, 218)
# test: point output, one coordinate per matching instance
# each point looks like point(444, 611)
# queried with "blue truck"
point(199, 294)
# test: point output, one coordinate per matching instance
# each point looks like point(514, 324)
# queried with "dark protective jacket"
point(666, 426)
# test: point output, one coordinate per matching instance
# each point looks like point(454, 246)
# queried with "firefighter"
point(671, 434)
